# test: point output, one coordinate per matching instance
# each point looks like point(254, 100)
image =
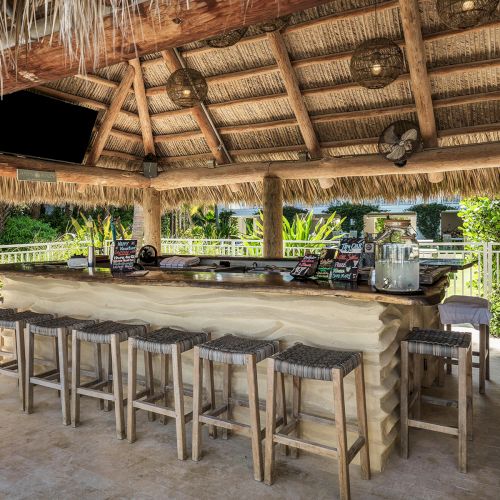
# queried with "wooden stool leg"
point(469, 395)
point(108, 375)
point(487, 328)
point(180, 419)
point(448, 360)
point(164, 383)
point(62, 348)
point(29, 340)
point(253, 403)
point(21, 358)
point(98, 370)
point(362, 421)
point(296, 402)
point(131, 390)
point(403, 406)
point(282, 407)
point(226, 394)
point(270, 421)
point(417, 383)
point(209, 372)
point(150, 384)
point(197, 404)
point(462, 409)
point(75, 380)
point(117, 386)
point(441, 374)
point(340, 423)
point(482, 358)
point(57, 360)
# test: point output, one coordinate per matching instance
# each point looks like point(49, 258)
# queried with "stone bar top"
point(275, 282)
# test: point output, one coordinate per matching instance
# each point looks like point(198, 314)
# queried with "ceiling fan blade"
point(390, 136)
point(397, 153)
point(410, 135)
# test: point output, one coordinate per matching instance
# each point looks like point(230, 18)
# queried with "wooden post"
point(273, 215)
point(152, 218)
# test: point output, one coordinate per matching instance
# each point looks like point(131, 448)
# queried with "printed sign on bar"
point(124, 256)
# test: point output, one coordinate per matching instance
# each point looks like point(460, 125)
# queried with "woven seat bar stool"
point(305, 362)
point(231, 350)
point(459, 309)
point(16, 367)
point(5, 312)
point(169, 343)
point(443, 344)
point(112, 334)
point(58, 378)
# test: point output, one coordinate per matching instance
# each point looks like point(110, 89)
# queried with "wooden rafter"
point(110, 117)
point(295, 99)
point(46, 60)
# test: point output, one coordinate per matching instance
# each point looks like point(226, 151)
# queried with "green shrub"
point(23, 229)
point(349, 211)
point(429, 218)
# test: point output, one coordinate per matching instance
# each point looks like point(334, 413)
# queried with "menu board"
point(307, 266)
point(346, 265)
point(326, 260)
point(124, 256)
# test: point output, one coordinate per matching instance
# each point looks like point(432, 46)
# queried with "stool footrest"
point(8, 364)
point(444, 429)
point(226, 424)
point(151, 407)
point(413, 399)
point(10, 371)
point(440, 401)
point(303, 444)
point(48, 373)
point(326, 420)
point(355, 448)
point(45, 383)
point(245, 404)
point(93, 393)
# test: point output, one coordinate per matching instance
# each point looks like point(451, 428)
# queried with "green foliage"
point(349, 211)
point(301, 229)
point(23, 229)
point(205, 225)
point(429, 218)
point(289, 212)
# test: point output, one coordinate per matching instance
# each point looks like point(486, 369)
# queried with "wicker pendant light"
point(276, 24)
point(226, 39)
point(465, 13)
point(376, 63)
point(186, 87)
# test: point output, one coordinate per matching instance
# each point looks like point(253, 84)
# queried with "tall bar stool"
point(58, 329)
point(170, 344)
point(16, 367)
point(5, 312)
point(443, 344)
point(301, 362)
point(231, 350)
point(459, 309)
point(111, 333)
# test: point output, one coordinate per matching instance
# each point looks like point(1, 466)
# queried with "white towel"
point(178, 262)
point(459, 309)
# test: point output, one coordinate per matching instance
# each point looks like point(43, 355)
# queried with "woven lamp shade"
point(465, 13)
point(376, 63)
point(226, 39)
point(186, 87)
point(276, 24)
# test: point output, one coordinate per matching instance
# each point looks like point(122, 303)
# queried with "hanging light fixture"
point(376, 63)
point(465, 13)
point(276, 24)
point(186, 87)
point(226, 39)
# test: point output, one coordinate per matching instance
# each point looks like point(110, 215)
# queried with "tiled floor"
point(39, 458)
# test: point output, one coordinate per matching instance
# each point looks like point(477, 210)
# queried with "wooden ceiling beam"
point(142, 108)
point(110, 117)
point(295, 99)
point(46, 60)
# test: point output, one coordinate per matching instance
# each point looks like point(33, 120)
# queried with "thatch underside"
point(259, 96)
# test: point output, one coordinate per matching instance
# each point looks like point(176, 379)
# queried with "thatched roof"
point(246, 88)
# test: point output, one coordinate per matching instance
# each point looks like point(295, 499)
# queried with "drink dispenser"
point(397, 258)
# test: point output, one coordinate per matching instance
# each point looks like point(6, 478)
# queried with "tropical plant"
point(206, 225)
point(429, 218)
point(352, 215)
point(23, 229)
point(289, 212)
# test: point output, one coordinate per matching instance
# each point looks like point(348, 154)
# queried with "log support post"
point(273, 216)
point(152, 218)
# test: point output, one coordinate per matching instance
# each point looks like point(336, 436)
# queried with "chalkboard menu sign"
point(307, 266)
point(326, 260)
point(346, 265)
point(124, 256)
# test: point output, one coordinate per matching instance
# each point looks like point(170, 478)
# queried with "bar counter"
point(259, 305)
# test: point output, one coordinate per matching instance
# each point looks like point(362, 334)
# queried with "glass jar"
point(397, 258)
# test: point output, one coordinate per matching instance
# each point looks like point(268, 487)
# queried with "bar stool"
point(302, 361)
point(16, 367)
point(5, 312)
point(112, 334)
point(443, 344)
point(169, 343)
point(58, 329)
point(459, 309)
point(231, 350)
